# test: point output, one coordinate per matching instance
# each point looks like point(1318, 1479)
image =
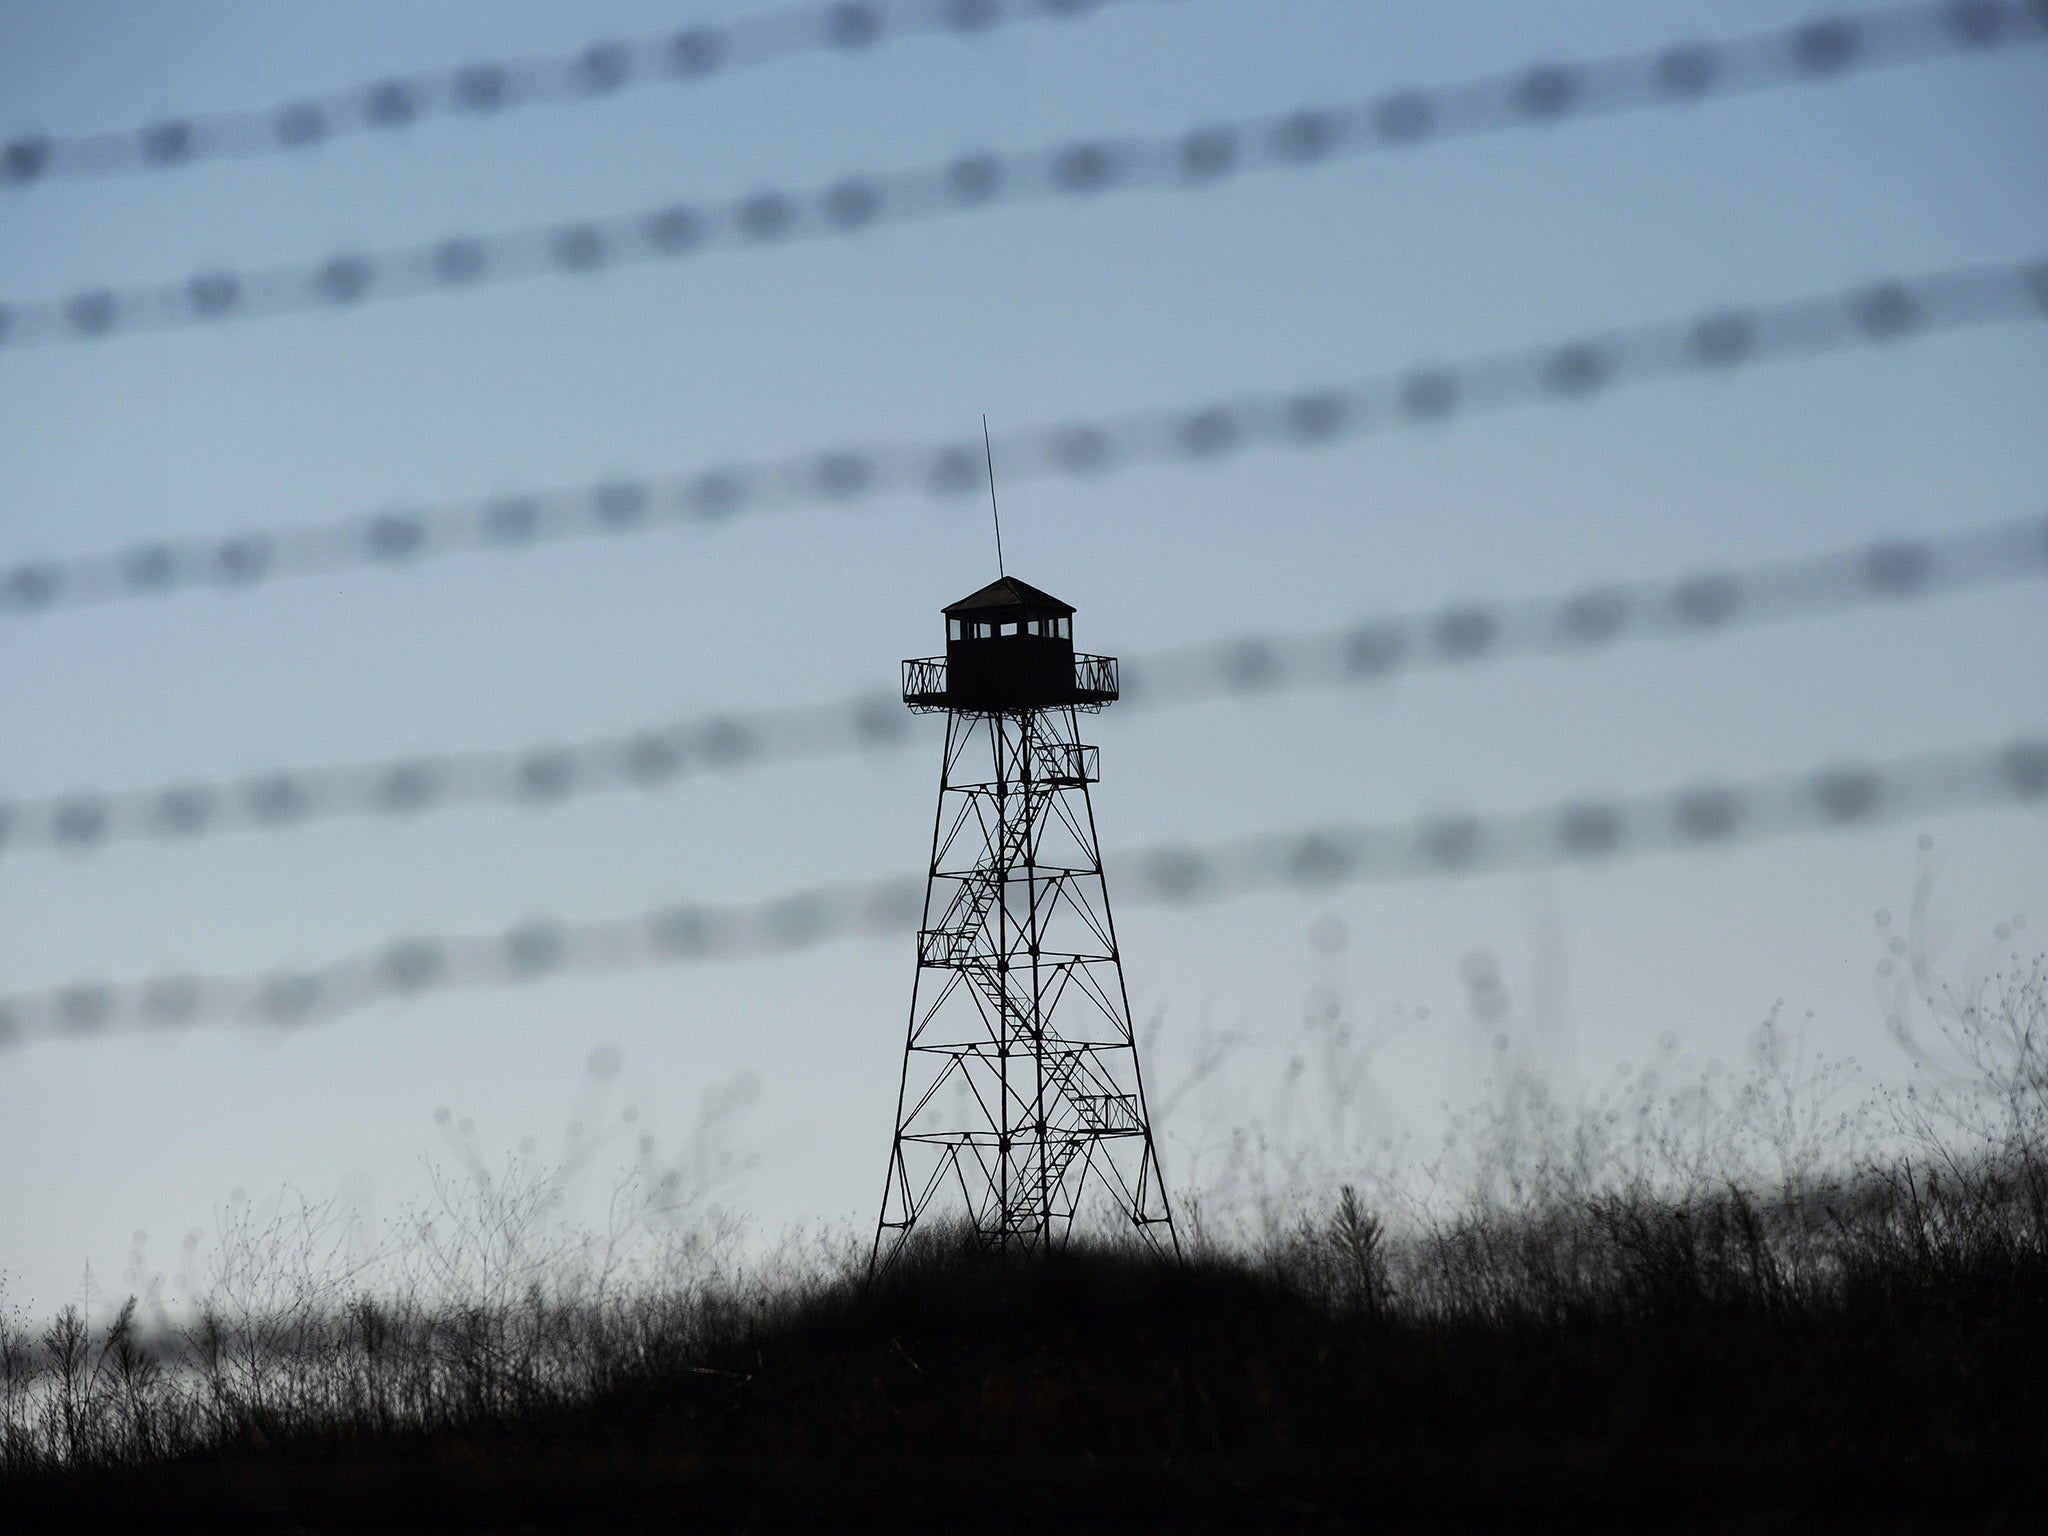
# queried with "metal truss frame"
point(1021, 1089)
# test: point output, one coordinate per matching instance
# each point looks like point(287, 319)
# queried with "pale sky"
point(1037, 313)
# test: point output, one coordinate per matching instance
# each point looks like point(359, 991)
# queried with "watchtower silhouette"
point(1021, 1088)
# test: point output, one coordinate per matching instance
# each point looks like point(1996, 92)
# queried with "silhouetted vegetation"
point(1578, 1343)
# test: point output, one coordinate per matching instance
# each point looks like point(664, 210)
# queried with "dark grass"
point(1870, 1357)
point(1582, 1345)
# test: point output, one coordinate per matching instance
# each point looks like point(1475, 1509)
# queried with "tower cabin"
point(1009, 647)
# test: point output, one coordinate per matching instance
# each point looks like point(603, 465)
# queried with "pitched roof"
point(1009, 593)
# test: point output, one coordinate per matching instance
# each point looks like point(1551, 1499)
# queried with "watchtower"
point(1021, 1093)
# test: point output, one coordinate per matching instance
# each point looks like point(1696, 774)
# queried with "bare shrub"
point(1685, 1195)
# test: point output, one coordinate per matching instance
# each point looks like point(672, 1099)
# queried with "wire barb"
point(598, 72)
point(1588, 830)
point(1376, 650)
point(1427, 396)
point(1089, 168)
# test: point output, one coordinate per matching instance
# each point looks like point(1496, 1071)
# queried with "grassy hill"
point(1869, 1357)
point(1699, 1327)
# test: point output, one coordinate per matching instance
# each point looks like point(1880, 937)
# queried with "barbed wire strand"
point(1201, 157)
point(1464, 634)
point(600, 71)
point(1583, 831)
point(1718, 342)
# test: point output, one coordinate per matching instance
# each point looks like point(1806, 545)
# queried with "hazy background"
point(113, 1150)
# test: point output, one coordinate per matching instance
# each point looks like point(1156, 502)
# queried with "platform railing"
point(924, 682)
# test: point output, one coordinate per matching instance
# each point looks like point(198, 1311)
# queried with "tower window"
point(1009, 629)
point(952, 629)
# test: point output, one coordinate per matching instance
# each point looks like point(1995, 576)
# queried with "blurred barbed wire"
point(1540, 96)
point(1585, 830)
point(1461, 634)
point(1715, 342)
point(601, 70)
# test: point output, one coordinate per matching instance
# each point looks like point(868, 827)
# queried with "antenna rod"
point(992, 512)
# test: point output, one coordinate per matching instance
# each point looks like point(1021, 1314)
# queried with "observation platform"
point(1009, 649)
point(988, 686)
